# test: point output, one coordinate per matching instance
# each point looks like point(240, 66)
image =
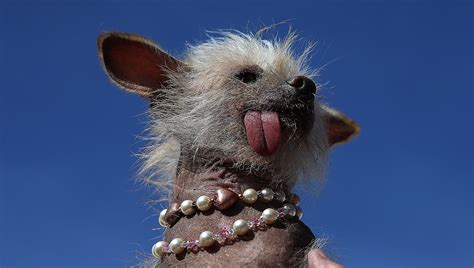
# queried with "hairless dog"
point(234, 125)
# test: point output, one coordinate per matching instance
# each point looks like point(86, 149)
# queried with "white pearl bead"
point(203, 203)
point(187, 207)
point(290, 210)
point(158, 249)
point(177, 245)
point(269, 215)
point(250, 196)
point(240, 227)
point(299, 213)
point(280, 196)
point(267, 195)
point(162, 219)
point(206, 239)
point(295, 199)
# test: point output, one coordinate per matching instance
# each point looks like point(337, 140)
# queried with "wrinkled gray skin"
point(198, 134)
point(283, 245)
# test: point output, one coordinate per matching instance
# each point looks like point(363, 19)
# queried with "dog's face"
point(237, 97)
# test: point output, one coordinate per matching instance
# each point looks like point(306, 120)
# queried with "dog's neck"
point(203, 176)
point(198, 176)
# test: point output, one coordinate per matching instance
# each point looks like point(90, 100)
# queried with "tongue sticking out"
point(263, 132)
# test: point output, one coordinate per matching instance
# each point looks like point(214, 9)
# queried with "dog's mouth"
point(266, 130)
point(263, 131)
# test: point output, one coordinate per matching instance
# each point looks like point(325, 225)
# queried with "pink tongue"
point(263, 132)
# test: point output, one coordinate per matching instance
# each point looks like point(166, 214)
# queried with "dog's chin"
point(262, 165)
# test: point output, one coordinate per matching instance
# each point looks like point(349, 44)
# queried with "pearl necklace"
point(223, 199)
point(228, 235)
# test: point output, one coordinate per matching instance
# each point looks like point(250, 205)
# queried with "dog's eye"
point(247, 76)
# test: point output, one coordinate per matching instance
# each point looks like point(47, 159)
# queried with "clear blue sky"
point(400, 195)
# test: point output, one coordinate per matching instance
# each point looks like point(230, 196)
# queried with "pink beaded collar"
point(224, 199)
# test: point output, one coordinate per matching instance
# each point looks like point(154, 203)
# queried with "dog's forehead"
point(234, 51)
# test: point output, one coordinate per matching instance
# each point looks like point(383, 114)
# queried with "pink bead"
point(193, 246)
point(281, 213)
point(219, 239)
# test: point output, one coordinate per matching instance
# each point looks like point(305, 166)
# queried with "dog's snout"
point(302, 85)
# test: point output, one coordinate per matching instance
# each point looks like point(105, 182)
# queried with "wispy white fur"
point(198, 110)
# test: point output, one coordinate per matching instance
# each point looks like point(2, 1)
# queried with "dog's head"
point(235, 97)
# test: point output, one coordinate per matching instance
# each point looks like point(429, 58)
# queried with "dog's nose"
point(302, 85)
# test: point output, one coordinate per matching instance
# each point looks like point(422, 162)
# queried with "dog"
point(236, 112)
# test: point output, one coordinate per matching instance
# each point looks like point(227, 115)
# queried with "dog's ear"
point(339, 127)
point(134, 63)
